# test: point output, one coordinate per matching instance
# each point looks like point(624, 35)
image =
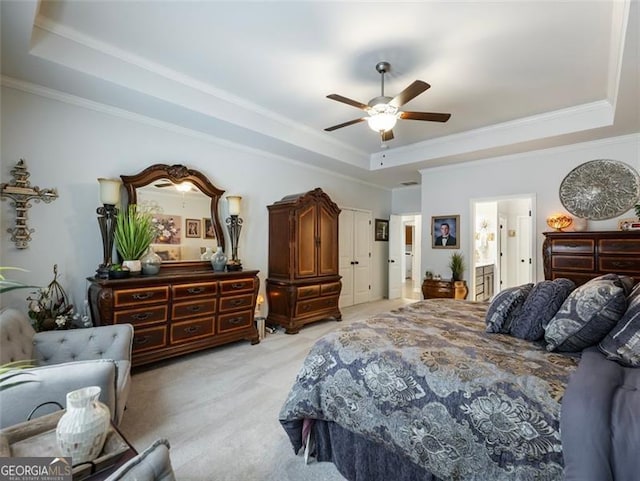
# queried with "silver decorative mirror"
point(600, 189)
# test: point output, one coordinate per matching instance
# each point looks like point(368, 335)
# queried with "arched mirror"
point(184, 204)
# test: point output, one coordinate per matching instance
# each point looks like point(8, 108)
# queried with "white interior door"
point(345, 256)
point(524, 267)
point(362, 257)
point(396, 254)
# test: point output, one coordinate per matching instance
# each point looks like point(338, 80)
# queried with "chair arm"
point(153, 464)
point(52, 383)
point(104, 342)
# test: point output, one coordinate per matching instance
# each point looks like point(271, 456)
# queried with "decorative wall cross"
point(19, 190)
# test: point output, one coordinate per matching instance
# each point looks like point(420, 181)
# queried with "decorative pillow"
point(626, 282)
point(586, 316)
point(540, 306)
point(506, 305)
point(622, 344)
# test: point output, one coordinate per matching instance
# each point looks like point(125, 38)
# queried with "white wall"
point(68, 147)
point(448, 190)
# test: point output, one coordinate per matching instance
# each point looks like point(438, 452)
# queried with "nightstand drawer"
point(183, 310)
point(142, 316)
point(185, 291)
point(145, 295)
point(190, 330)
point(236, 302)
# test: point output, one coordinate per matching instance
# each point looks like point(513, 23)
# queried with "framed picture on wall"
point(445, 233)
point(193, 228)
point(208, 232)
point(382, 230)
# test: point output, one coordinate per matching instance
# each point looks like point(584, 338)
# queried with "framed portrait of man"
point(445, 232)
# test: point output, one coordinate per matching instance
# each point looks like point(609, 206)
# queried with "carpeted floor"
point(219, 408)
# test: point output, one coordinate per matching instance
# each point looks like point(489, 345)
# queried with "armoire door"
point(306, 259)
point(327, 235)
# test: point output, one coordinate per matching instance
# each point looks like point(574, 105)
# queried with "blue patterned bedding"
point(428, 382)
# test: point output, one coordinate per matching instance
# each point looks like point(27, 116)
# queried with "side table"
point(444, 288)
point(37, 437)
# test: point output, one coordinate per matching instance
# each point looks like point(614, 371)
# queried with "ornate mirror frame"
point(177, 174)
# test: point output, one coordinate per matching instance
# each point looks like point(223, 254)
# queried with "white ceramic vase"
point(82, 430)
point(150, 262)
point(135, 267)
point(219, 260)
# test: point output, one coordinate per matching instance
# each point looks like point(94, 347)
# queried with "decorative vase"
point(151, 262)
point(207, 255)
point(219, 260)
point(580, 224)
point(82, 430)
point(134, 266)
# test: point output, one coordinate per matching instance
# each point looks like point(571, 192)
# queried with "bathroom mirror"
point(184, 204)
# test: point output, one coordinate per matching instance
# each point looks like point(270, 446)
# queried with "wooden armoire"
point(303, 284)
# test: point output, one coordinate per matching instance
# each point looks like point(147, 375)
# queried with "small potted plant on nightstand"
point(133, 235)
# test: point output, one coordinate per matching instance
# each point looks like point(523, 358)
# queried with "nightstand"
point(444, 288)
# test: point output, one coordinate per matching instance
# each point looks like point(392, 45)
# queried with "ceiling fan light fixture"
point(382, 117)
point(184, 187)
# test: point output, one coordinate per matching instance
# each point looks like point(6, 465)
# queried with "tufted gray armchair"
point(65, 360)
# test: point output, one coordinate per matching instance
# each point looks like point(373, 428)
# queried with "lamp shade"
point(234, 204)
point(559, 221)
point(109, 190)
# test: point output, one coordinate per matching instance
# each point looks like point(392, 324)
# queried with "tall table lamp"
point(234, 225)
point(109, 196)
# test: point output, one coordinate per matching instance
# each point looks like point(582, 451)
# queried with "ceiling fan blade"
point(412, 91)
point(386, 135)
point(345, 100)
point(430, 116)
point(345, 124)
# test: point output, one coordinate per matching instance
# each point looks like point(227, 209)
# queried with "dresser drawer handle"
point(306, 307)
point(620, 264)
point(142, 340)
point(191, 329)
point(238, 285)
point(238, 302)
point(573, 245)
point(235, 320)
point(195, 290)
point(194, 308)
point(143, 296)
point(141, 316)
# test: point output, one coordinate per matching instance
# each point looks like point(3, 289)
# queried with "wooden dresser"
point(303, 285)
point(174, 313)
point(443, 288)
point(581, 256)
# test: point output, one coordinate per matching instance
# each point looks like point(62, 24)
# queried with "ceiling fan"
point(385, 111)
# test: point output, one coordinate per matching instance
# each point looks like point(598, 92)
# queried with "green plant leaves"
point(133, 233)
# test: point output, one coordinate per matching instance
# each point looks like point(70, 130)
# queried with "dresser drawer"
point(316, 305)
point(307, 292)
point(233, 321)
point(619, 265)
point(186, 309)
point(232, 303)
point(149, 338)
point(185, 291)
point(329, 289)
point(619, 246)
point(191, 330)
point(578, 263)
point(144, 295)
point(147, 315)
point(583, 246)
point(238, 285)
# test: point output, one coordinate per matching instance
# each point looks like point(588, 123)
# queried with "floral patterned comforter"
point(426, 380)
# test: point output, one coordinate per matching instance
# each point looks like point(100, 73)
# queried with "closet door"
point(355, 256)
point(346, 256)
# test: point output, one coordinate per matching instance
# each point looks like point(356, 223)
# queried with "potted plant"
point(456, 264)
point(133, 234)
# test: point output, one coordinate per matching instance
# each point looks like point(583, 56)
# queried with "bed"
point(424, 392)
